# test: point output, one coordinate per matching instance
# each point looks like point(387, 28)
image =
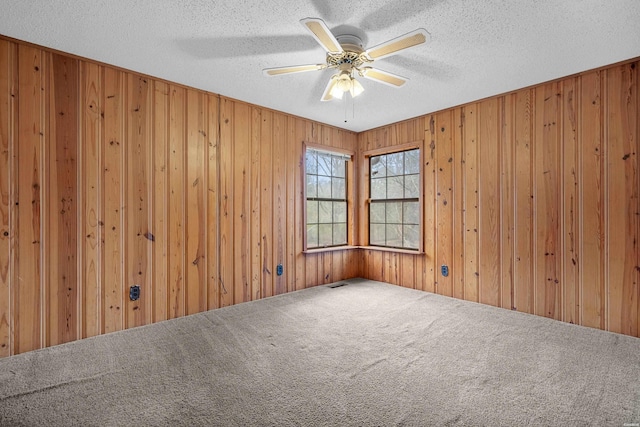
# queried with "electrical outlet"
point(134, 292)
point(279, 269)
point(445, 270)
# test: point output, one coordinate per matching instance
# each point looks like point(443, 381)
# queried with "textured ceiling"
point(477, 49)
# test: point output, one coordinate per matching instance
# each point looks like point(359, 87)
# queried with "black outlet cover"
point(445, 270)
point(134, 292)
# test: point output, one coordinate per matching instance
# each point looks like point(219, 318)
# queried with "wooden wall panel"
point(90, 167)
point(112, 277)
point(8, 73)
point(196, 212)
point(547, 199)
point(489, 155)
point(177, 184)
point(197, 198)
point(591, 207)
point(61, 171)
point(621, 110)
point(110, 179)
point(469, 182)
point(548, 183)
point(28, 281)
point(138, 188)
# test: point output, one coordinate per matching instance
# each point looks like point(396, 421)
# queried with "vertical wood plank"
point(622, 209)
point(506, 124)
point(547, 202)
point(523, 200)
point(91, 213)
point(266, 205)
point(62, 183)
point(428, 276)
point(489, 199)
point(571, 212)
point(444, 197)
point(160, 233)
point(470, 204)
point(8, 75)
point(256, 193)
point(225, 148)
point(241, 203)
point(113, 199)
point(195, 209)
point(591, 197)
point(177, 202)
point(457, 262)
point(213, 242)
point(28, 318)
point(292, 163)
point(138, 188)
point(279, 200)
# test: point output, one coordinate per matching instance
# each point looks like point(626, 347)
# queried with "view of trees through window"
point(394, 210)
point(326, 199)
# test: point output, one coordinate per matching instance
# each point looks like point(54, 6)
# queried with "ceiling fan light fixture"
point(356, 88)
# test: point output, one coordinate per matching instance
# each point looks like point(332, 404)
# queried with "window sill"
point(330, 249)
point(397, 250)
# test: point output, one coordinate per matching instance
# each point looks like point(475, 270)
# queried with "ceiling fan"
point(346, 55)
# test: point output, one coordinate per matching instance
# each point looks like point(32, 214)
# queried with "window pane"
point(378, 167)
point(379, 188)
point(377, 213)
point(376, 234)
point(340, 212)
point(312, 236)
point(411, 186)
point(395, 187)
point(325, 234)
point(395, 163)
point(311, 162)
point(394, 235)
point(394, 213)
point(324, 187)
point(411, 213)
point(312, 212)
point(412, 161)
point(339, 234)
point(411, 236)
point(324, 165)
point(325, 212)
point(394, 206)
point(338, 188)
point(338, 167)
point(312, 186)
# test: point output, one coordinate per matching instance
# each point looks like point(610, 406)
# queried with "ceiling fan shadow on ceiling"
point(349, 58)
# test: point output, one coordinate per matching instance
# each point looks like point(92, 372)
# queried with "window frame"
point(349, 187)
point(366, 196)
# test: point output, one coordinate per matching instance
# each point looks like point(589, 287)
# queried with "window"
point(394, 200)
point(326, 174)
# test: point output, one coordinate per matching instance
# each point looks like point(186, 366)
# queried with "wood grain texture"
point(90, 167)
point(138, 179)
point(62, 200)
point(8, 74)
point(29, 321)
point(548, 184)
point(112, 275)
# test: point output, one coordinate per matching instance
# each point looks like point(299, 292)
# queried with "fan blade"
point(293, 69)
point(398, 44)
point(321, 33)
point(327, 96)
point(383, 77)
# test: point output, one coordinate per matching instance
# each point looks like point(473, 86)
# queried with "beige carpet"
point(364, 354)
